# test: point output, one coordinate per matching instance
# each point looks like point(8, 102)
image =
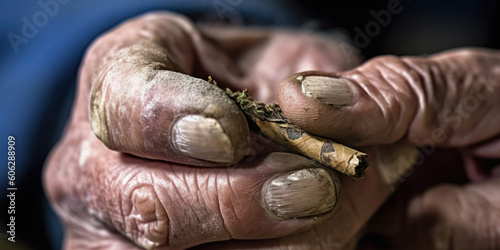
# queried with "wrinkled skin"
point(449, 100)
point(108, 199)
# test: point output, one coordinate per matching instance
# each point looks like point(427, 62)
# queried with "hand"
point(166, 182)
point(448, 100)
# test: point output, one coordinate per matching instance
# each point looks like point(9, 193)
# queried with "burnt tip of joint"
point(360, 169)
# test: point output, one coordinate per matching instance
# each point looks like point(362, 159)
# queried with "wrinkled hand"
point(171, 179)
point(448, 100)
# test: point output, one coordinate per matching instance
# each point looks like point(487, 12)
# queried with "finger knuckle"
point(227, 199)
point(394, 87)
point(147, 222)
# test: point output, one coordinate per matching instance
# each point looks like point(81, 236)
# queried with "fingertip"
point(208, 129)
point(314, 115)
point(172, 117)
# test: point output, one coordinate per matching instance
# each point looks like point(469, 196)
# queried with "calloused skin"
point(110, 199)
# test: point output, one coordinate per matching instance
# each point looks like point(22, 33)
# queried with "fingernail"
point(202, 138)
point(303, 193)
point(335, 91)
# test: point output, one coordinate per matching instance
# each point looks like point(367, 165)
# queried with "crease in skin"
point(220, 204)
point(123, 181)
point(428, 85)
point(150, 217)
point(143, 217)
point(225, 225)
point(400, 89)
point(373, 92)
point(458, 87)
point(388, 98)
point(424, 80)
point(197, 213)
point(211, 224)
point(214, 224)
point(426, 103)
point(447, 105)
point(403, 97)
point(122, 213)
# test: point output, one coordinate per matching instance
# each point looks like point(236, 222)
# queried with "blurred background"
point(43, 41)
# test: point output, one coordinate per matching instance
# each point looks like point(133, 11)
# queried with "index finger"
point(447, 99)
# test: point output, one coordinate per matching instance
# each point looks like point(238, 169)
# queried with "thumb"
point(136, 87)
point(166, 115)
point(448, 99)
